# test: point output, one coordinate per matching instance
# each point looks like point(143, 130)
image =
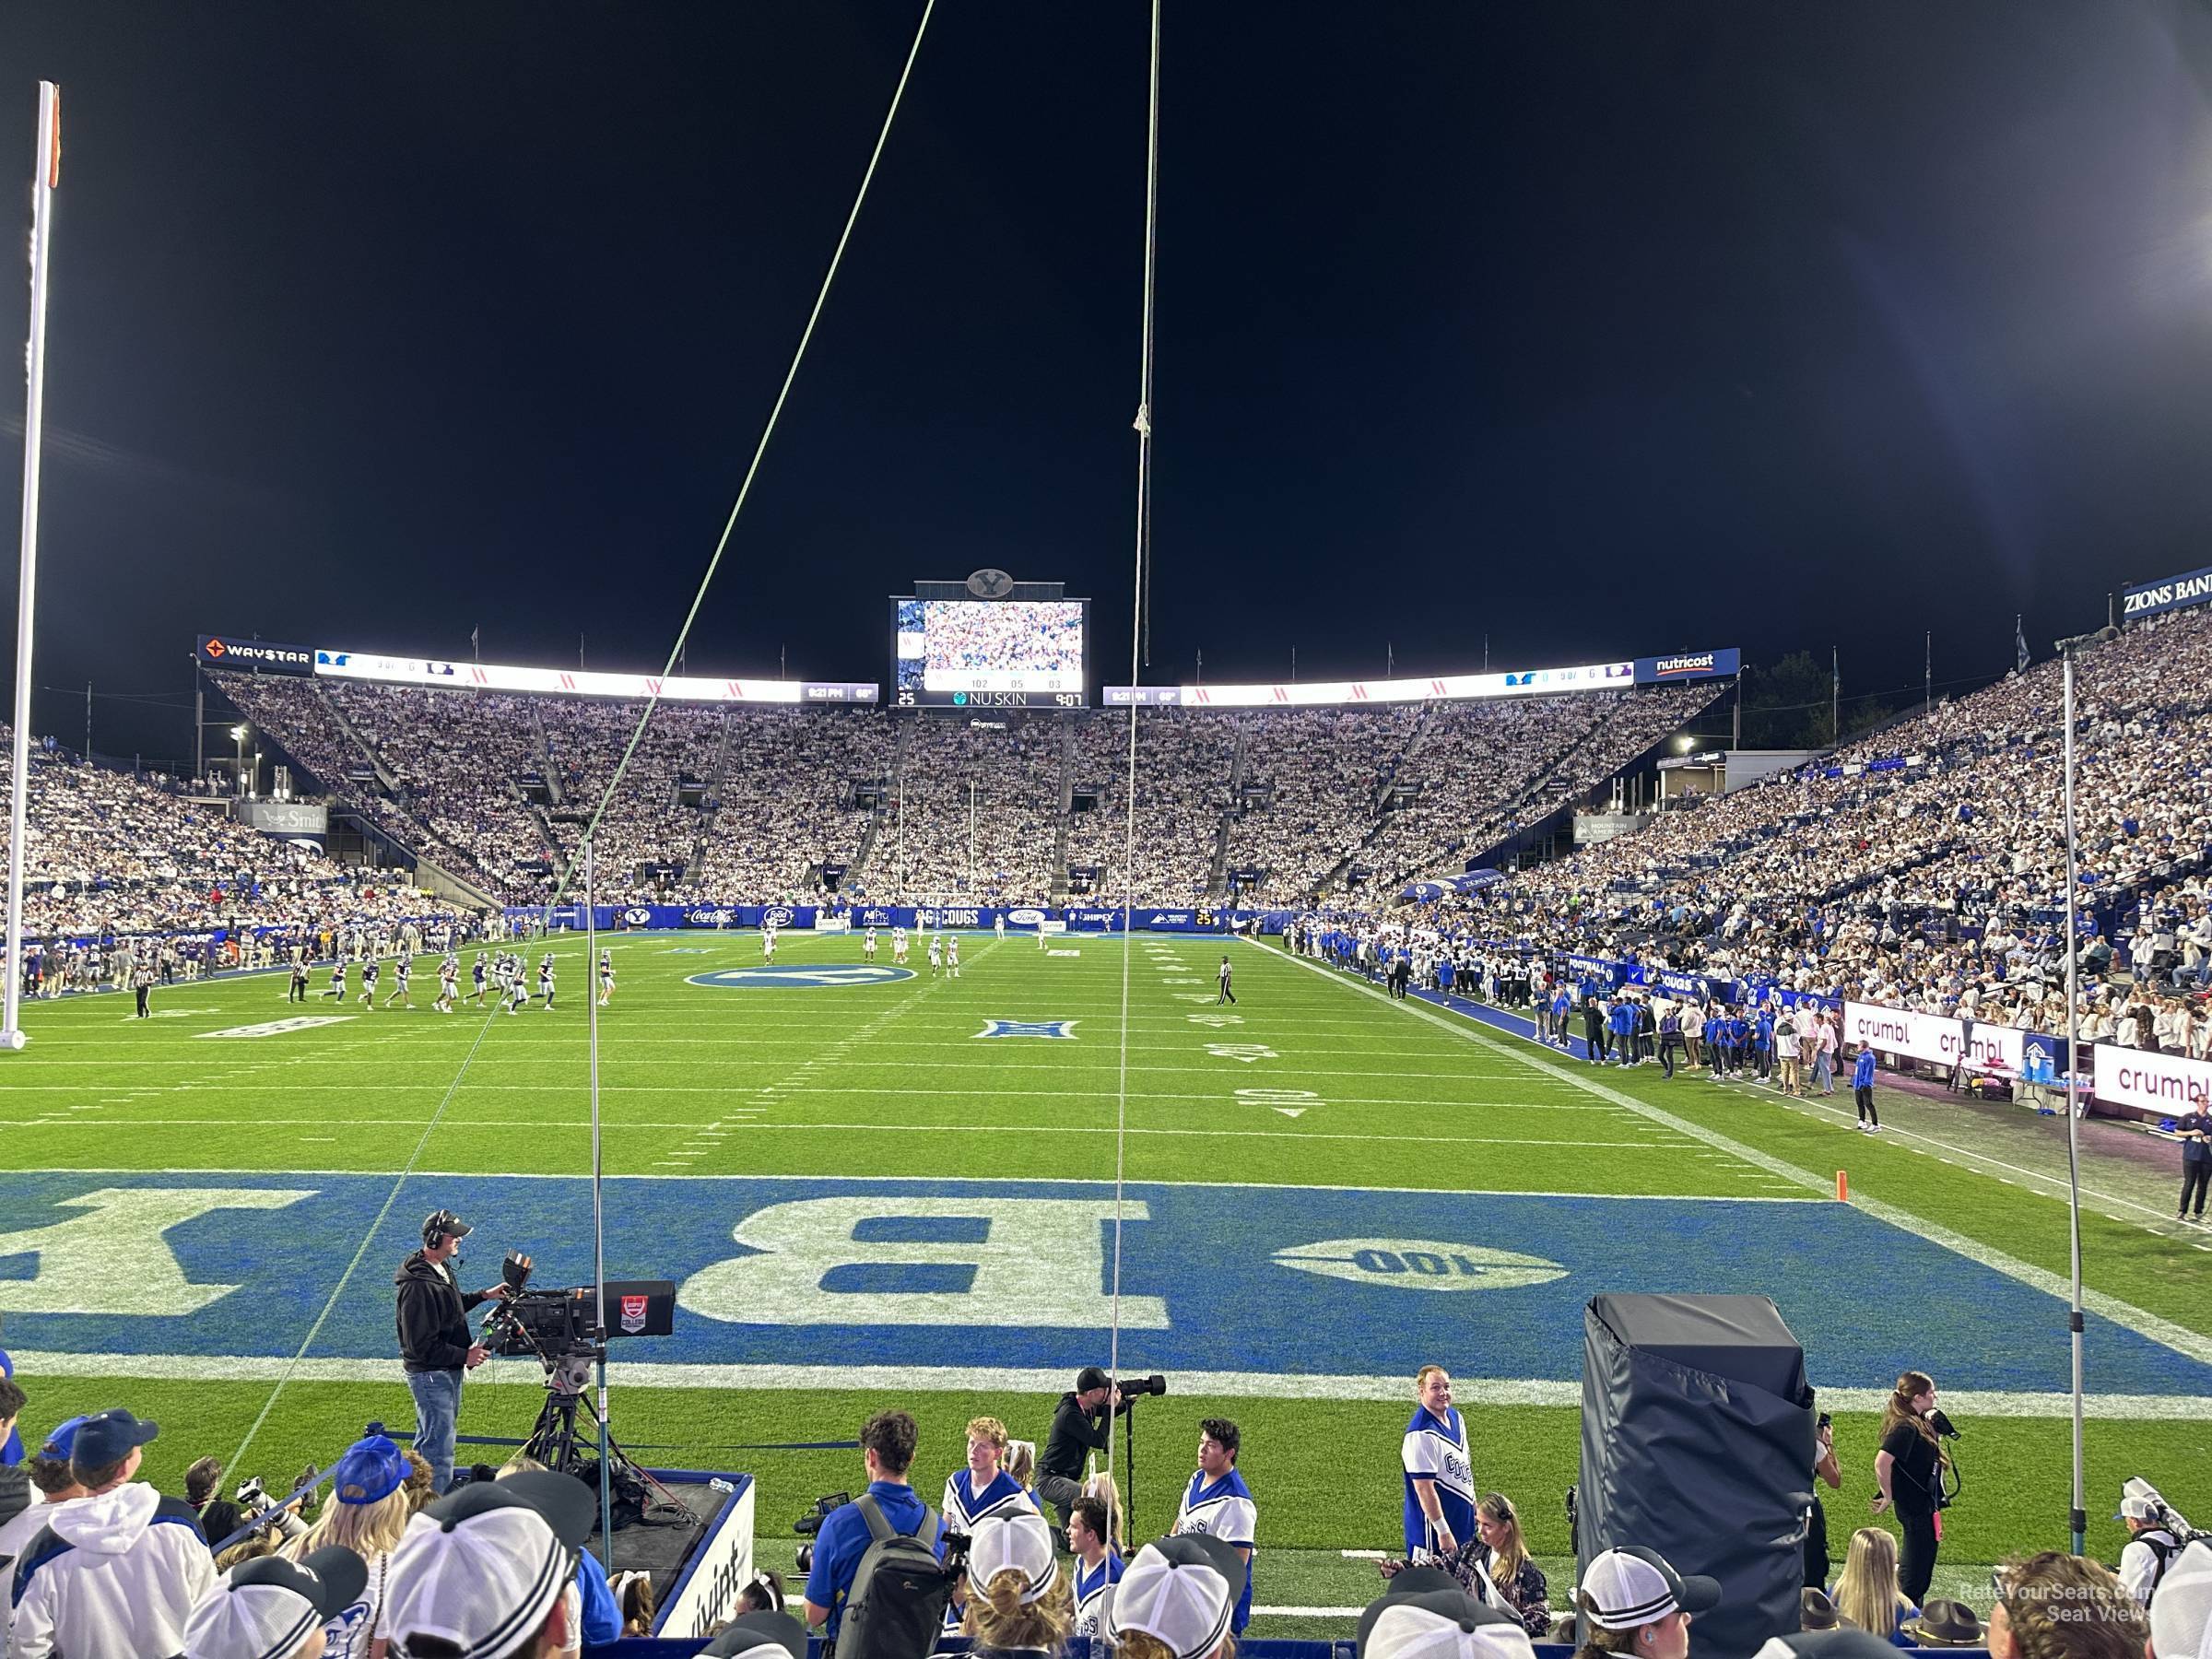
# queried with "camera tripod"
point(556, 1441)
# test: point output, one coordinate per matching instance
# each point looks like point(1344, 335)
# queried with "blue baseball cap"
point(107, 1438)
point(60, 1445)
point(369, 1471)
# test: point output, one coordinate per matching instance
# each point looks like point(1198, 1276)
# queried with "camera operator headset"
point(436, 1346)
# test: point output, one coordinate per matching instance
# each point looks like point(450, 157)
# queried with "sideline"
point(960, 1378)
point(2153, 1326)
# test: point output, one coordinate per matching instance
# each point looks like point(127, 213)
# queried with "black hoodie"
point(432, 1316)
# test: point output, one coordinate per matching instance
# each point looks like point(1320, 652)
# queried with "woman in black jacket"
point(1909, 1469)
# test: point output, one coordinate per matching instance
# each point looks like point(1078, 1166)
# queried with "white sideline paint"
point(2123, 1314)
point(1265, 1385)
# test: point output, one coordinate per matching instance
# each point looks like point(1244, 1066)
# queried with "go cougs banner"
point(1931, 1037)
point(2163, 1083)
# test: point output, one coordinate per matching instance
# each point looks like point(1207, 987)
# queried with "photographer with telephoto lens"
point(1080, 1429)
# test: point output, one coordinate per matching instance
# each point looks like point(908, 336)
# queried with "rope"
point(368, 1238)
point(1140, 607)
point(767, 432)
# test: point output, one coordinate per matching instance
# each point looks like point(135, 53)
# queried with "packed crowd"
point(109, 853)
point(1930, 872)
point(387, 1555)
point(1295, 795)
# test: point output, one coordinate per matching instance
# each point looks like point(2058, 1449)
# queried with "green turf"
point(889, 1080)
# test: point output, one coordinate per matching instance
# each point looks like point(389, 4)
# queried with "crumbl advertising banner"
point(1931, 1037)
point(2172, 1084)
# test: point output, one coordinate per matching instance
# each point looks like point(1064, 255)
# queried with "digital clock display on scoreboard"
point(989, 653)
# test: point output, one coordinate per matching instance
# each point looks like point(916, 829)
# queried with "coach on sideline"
point(435, 1343)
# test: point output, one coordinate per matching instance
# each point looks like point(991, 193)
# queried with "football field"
point(877, 1186)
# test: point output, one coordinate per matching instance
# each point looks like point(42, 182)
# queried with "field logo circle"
point(799, 976)
point(1420, 1264)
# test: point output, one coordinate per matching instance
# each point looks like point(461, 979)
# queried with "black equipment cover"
point(1698, 1442)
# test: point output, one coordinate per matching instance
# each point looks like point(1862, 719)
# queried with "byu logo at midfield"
point(799, 976)
point(1028, 1028)
point(1420, 1264)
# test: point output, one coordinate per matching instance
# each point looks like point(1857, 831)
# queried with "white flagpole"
point(2079, 1515)
point(49, 168)
point(591, 1014)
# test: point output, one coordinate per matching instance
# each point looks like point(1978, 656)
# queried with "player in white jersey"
point(401, 970)
point(936, 954)
point(448, 983)
point(368, 973)
point(867, 946)
point(952, 955)
point(545, 980)
point(768, 942)
point(607, 977)
point(338, 980)
point(898, 945)
point(998, 926)
point(518, 985)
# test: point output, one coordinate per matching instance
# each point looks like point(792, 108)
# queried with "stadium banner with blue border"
point(1324, 1282)
point(926, 918)
point(2152, 598)
point(1688, 665)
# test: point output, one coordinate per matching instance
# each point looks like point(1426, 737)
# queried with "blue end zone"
point(1012, 1274)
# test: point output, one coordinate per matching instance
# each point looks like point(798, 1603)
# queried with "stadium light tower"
point(238, 772)
point(47, 172)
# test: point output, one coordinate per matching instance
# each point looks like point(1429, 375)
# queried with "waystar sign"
point(261, 655)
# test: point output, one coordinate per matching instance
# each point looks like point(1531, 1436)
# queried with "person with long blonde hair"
point(368, 1513)
point(1910, 1470)
point(1502, 1556)
point(1017, 1601)
point(1867, 1595)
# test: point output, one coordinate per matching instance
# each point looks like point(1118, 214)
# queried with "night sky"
point(1606, 330)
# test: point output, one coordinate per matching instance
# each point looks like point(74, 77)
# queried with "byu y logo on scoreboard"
point(799, 976)
point(1028, 1028)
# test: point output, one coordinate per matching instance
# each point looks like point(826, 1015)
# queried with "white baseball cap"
point(2134, 1507)
point(1015, 1542)
point(1632, 1586)
point(1444, 1624)
point(1183, 1604)
point(2181, 1610)
point(267, 1608)
point(482, 1567)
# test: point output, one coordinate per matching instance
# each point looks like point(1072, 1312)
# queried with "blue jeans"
point(437, 1420)
point(1823, 1076)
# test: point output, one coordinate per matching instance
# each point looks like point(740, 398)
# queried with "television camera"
point(562, 1329)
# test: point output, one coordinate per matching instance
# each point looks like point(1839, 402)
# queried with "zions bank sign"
point(2152, 597)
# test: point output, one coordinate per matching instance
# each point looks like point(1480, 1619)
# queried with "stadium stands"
point(990, 809)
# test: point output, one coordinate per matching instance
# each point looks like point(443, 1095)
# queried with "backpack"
point(895, 1609)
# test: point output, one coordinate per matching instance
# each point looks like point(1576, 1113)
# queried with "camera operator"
point(435, 1342)
point(1078, 1430)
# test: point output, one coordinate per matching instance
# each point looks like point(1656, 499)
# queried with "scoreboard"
point(970, 652)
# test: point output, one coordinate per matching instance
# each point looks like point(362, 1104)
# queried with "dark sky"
point(1604, 330)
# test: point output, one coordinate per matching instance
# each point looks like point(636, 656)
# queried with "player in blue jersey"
point(1218, 1504)
point(370, 970)
point(1440, 1476)
point(476, 978)
point(1091, 1537)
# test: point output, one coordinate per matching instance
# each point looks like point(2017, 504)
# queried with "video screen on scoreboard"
point(989, 654)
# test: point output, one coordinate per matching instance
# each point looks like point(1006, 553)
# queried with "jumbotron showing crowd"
point(1922, 866)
